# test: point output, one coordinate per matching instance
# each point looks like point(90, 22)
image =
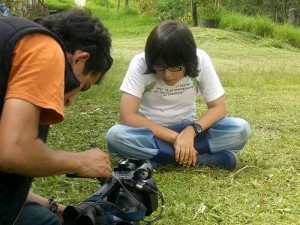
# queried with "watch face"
point(198, 128)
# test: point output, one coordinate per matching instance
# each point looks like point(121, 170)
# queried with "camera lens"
point(142, 174)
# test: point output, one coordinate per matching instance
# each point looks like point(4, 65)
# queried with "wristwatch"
point(197, 128)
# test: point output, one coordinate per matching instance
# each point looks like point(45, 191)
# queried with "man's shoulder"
point(36, 40)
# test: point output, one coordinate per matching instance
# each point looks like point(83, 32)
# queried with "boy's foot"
point(224, 160)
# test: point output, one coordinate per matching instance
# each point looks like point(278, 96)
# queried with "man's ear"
point(78, 56)
point(81, 56)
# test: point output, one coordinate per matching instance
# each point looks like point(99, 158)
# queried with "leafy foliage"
point(210, 9)
point(22, 8)
point(171, 9)
point(276, 10)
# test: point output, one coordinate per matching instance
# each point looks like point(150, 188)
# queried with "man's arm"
point(45, 202)
point(21, 152)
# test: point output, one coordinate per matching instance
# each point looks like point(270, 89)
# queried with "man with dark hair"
point(43, 64)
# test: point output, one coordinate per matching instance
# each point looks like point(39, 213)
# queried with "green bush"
point(171, 9)
point(147, 7)
point(289, 34)
point(211, 9)
point(261, 26)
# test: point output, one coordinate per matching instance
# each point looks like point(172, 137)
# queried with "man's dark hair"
point(78, 30)
point(173, 44)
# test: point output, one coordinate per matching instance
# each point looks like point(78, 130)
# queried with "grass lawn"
point(262, 83)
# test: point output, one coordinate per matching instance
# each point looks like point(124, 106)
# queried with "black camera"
point(129, 196)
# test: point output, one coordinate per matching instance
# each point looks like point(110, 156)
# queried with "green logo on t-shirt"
point(150, 86)
point(196, 84)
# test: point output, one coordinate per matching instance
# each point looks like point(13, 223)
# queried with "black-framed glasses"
point(160, 67)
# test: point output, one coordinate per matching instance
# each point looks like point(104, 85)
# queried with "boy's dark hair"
point(78, 30)
point(173, 44)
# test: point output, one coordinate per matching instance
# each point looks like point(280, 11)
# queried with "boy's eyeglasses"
point(159, 67)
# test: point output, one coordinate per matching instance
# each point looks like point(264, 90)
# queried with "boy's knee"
point(243, 134)
point(244, 129)
point(112, 134)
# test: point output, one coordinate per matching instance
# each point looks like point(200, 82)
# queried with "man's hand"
point(94, 163)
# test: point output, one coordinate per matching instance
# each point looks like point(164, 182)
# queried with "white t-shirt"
point(167, 105)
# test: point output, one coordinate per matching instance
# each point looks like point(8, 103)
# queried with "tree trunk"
point(194, 13)
point(126, 5)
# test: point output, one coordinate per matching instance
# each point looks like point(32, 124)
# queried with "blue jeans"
point(35, 214)
point(4, 10)
point(139, 143)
